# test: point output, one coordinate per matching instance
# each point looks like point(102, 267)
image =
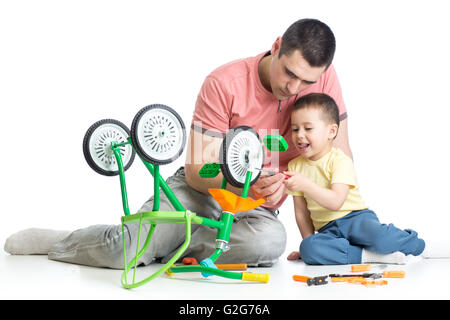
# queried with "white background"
point(66, 64)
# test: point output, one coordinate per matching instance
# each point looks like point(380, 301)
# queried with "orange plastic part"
point(232, 203)
point(360, 267)
point(300, 278)
point(347, 279)
point(189, 261)
point(232, 266)
point(393, 274)
point(372, 283)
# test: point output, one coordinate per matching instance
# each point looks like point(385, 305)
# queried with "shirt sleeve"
point(212, 109)
point(343, 171)
point(332, 87)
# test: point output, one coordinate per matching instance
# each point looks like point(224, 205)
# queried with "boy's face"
point(312, 135)
point(291, 74)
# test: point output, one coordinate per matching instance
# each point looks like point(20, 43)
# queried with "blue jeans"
point(341, 241)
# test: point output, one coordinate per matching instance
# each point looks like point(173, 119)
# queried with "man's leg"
point(101, 245)
point(257, 237)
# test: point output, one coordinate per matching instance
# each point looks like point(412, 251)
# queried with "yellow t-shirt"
point(334, 167)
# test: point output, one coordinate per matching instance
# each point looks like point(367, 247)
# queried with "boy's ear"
point(333, 131)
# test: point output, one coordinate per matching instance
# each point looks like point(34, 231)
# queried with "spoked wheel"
point(158, 134)
point(97, 146)
point(241, 151)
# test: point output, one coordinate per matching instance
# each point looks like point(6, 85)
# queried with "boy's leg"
point(364, 229)
point(327, 248)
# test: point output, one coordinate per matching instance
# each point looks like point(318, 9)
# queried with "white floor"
point(36, 277)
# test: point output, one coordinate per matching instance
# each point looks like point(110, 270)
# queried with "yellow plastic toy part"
point(259, 277)
point(232, 203)
point(168, 272)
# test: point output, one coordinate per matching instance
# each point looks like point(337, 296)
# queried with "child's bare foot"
point(294, 255)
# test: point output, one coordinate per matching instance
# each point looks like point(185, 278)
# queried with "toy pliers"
point(315, 281)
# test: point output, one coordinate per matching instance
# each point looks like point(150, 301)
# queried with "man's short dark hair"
point(313, 38)
point(321, 101)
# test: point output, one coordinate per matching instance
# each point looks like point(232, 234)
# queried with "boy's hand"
point(269, 187)
point(295, 181)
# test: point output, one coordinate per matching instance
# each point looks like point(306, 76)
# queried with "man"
point(258, 92)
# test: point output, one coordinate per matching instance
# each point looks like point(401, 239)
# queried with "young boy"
point(326, 197)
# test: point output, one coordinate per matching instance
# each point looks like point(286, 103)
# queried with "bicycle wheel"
point(97, 146)
point(241, 151)
point(158, 134)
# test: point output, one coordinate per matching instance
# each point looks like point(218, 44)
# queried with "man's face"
point(290, 74)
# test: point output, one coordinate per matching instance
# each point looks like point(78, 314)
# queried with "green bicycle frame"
point(181, 215)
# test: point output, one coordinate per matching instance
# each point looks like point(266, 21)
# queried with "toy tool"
point(315, 281)
point(272, 173)
point(366, 278)
point(385, 274)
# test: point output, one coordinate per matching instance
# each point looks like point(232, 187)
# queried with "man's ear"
point(276, 47)
point(333, 131)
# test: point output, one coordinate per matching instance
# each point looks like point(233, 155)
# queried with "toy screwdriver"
point(385, 274)
point(272, 173)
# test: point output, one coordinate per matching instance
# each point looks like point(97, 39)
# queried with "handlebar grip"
point(260, 277)
point(394, 274)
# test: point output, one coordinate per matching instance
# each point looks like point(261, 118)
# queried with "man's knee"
point(260, 244)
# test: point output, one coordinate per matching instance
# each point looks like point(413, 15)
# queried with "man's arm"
point(341, 140)
point(203, 149)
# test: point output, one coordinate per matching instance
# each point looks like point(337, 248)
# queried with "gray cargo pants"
point(257, 238)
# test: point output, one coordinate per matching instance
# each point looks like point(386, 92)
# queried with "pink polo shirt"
point(232, 95)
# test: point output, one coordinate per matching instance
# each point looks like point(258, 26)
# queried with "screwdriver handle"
point(393, 274)
point(300, 278)
point(360, 267)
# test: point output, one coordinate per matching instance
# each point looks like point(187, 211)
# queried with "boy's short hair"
point(322, 101)
point(313, 38)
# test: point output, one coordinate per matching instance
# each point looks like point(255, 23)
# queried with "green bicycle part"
point(156, 187)
point(154, 218)
point(165, 188)
point(227, 222)
point(244, 276)
point(213, 271)
point(275, 143)
point(154, 171)
point(210, 170)
point(115, 148)
point(248, 179)
point(224, 183)
point(180, 216)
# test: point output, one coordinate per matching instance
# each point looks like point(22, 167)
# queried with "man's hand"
point(271, 188)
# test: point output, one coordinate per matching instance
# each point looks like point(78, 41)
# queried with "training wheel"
point(97, 146)
point(241, 151)
point(158, 134)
